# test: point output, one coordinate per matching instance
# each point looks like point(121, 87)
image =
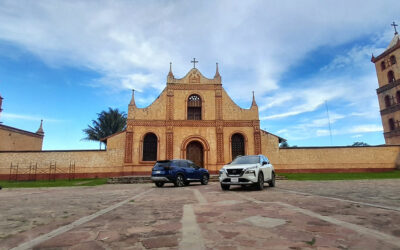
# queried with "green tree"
point(107, 123)
point(284, 144)
point(359, 144)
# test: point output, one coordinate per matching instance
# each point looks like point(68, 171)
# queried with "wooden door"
point(237, 145)
point(194, 152)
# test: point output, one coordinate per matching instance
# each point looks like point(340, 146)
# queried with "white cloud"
point(365, 128)
point(304, 99)
point(257, 43)
point(323, 122)
point(120, 38)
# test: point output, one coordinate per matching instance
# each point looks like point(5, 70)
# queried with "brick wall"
point(87, 163)
point(16, 141)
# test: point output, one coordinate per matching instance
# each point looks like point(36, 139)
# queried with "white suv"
point(247, 170)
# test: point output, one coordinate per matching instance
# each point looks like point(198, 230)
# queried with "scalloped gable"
point(194, 76)
point(154, 111)
point(232, 111)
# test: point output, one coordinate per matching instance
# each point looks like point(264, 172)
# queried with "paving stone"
point(165, 241)
point(229, 220)
point(264, 222)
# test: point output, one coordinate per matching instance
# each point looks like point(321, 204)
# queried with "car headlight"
point(222, 171)
point(251, 170)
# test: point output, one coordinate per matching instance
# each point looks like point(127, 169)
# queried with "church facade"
point(193, 118)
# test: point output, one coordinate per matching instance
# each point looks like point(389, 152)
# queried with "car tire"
point(260, 183)
point(179, 181)
point(225, 186)
point(159, 184)
point(204, 179)
point(271, 183)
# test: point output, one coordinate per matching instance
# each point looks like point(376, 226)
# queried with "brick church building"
point(193, 118)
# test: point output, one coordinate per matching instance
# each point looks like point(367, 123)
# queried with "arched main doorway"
point(238, 147)
point(195, 153)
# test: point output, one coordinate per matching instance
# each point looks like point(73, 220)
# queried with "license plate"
point(158, 172)
point(234, 179)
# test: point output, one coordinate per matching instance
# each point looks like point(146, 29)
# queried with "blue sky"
point(65, 61)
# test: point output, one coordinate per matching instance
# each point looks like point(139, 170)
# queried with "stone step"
point(128, 179)
point(146, 179)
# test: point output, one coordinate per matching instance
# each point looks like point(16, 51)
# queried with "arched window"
point(194, 108)
point(398, 97)
point(237, 145)
point(383, 65)
point(392, 60)
point(150, 147)
point(391, 76)
point(391, 124)
point(387, 101)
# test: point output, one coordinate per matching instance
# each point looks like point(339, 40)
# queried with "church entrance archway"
point(195, 153)
point(238, 145)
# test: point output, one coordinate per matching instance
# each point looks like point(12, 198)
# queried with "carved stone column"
point(257, 137)
point(128, 144)
point(170, 104)
point(170, 144)
point(220, 142)
point(218, 103)
point(219, 125)
point(169, 134)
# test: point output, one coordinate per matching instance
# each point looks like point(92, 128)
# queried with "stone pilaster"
point(128, 145)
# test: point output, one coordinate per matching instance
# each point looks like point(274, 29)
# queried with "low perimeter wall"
point(45, 165)
point(109, 163)
point(336, 159)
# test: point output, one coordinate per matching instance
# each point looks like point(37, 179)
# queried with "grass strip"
point(340, 176)
point(56, 183)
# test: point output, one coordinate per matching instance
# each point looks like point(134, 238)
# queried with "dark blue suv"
point(179, 172)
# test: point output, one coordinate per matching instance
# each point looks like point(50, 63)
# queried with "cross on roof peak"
point(394, 26)
point(194, 62)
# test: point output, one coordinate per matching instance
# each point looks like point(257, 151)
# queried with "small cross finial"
point(170, 70)
point(217, 72)
point(194, 62)
point(394, 26)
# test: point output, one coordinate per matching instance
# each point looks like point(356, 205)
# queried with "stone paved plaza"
point(294, 215)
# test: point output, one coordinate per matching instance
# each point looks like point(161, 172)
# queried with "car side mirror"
point(265, 162)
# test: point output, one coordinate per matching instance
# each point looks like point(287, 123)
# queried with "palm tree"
point(107, 123)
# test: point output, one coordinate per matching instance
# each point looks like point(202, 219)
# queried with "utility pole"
point(329, 121)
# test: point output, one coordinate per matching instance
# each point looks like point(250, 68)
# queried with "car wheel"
point(159, 184)
point(180, 181)
point(272, 181)
point(204, 179)
point(225, 186)
point(260, 183)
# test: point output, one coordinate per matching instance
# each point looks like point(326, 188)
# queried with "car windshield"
point(253, 159)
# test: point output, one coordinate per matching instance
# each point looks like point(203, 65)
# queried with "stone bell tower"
point(388, 73)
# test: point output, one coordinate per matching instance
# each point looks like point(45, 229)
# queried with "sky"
point(66, 61)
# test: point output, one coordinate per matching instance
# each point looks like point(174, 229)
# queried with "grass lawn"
point(340, 176)
point(56, 183)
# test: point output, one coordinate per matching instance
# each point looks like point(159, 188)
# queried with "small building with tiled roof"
point(14, 139)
